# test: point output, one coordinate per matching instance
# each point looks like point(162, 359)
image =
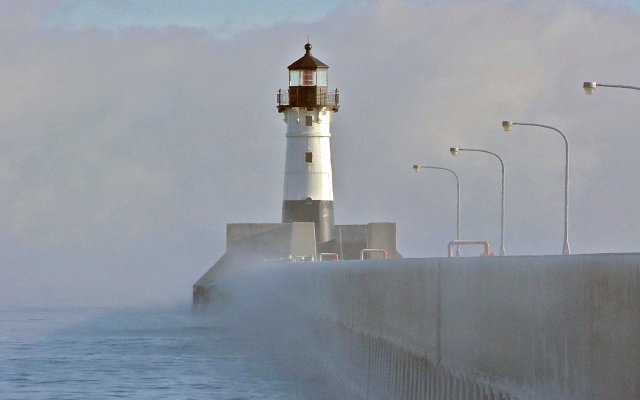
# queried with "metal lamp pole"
point(454, 152)
point(507, 125)
point(418, 167)
point(590, 87)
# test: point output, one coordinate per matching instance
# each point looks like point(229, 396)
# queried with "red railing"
point(457, 243)
point(365, 254)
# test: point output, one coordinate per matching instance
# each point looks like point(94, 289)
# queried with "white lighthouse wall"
point(303, 179)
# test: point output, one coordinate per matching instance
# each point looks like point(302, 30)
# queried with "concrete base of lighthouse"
point(320, 212)
point(249, 245)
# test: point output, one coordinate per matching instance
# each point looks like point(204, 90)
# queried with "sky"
point(224, 19)
point(132, 132)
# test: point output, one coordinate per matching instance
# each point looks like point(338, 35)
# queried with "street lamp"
point(590, 87)
point(507, 125)
point(418, 167)
point(454, 152)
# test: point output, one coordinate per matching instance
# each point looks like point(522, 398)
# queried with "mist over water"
point(133, 353)
point(252, 300)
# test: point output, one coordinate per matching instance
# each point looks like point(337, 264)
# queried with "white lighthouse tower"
point(308, 191)
point(307, 108)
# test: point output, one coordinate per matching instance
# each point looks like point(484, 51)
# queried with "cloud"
point(124, 154)
point(219, 17)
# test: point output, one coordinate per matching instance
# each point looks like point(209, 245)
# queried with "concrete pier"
point(538, 327)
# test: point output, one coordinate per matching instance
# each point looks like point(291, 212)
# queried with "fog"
point(123, 153)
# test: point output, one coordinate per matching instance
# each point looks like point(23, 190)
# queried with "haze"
point(125, 149)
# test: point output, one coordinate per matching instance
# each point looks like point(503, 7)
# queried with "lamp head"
point(507, 125)
point(417, 167)
point(454, 151)
point(589, 87)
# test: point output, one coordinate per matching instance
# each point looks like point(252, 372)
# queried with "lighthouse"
point(308, 231)
point(307, 107)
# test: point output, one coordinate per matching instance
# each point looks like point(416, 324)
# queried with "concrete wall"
point(295, 239)
point(540, 327)
point(543, 327)
point(249, 244)
point(375, 235)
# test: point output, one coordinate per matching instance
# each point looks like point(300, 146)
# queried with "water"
point(166, 353)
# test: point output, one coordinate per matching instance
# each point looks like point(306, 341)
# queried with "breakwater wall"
point(534, 327)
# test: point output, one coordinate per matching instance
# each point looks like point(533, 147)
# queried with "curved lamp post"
point(418, 167)
point(507, 125)
point(590, 87)
point(454, 152)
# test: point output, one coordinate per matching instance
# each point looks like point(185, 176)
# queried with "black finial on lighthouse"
point(307, 47)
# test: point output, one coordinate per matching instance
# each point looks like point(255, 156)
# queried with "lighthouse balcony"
point(308, 96)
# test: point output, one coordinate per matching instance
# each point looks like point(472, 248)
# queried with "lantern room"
point(308, 84)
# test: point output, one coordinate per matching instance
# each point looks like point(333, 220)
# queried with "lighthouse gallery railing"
point(303, 96)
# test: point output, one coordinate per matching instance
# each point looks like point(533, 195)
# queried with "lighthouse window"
point(321, 79)
point(294, 78)
point(309, 120)
point(308, 157)
point(307, 77)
